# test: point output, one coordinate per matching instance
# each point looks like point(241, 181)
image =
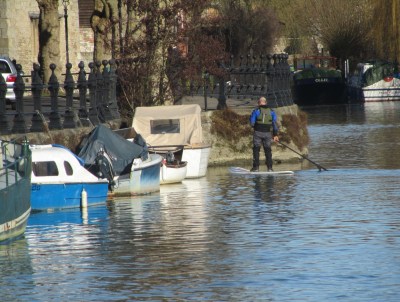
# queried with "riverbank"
point(230, 149)
point(226, 149)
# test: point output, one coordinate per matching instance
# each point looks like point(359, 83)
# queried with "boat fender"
point(84, 198)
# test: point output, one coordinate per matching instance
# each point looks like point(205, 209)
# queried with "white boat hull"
point(172, 173)
point(197, 159)
point(378, 92)
point(144, 178)
point(387, 88)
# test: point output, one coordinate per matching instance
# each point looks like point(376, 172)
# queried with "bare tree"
point(49, 36)
point(250, 26)
point(341, 26)
point(385, 29)
point(154, 31)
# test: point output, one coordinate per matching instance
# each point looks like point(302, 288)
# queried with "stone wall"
point(19, 35)
point(221, 153)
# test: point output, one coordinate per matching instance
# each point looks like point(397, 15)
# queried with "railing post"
point(4, 124)
point(279, 79)
point(37, 88)
point(287, 80)
point(271, 79)
point(113, 91)
point(106, 91)
point(54, 87)
point(82, 86)
point(93, 113)
point(69, 95)
point(206, 78)
point(99, 92)
point(221, 94)
point(19, 89)
point(282, 77)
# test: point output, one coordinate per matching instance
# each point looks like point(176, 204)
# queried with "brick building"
point(19, 31)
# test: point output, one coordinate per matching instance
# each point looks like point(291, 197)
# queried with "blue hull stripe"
point(63, 196)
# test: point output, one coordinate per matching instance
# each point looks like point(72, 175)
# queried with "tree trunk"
point(103, 20)
point(49, 37)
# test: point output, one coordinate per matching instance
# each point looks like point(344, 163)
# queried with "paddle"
point(305, 157)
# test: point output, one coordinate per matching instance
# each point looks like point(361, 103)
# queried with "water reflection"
point(363, 135)
point(312, 236)
point(15, 268)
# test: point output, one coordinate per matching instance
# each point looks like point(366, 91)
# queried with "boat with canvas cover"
point(15, 189)
point(59, 179)
point(175, 128)
point(128, 166)
point(172, 169)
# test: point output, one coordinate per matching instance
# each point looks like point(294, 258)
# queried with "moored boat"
point(15, 189)
point(128, 166)
point(374, 81)
point(172, 170)
point(173, 128)
point(60, 181)
point(317, 80)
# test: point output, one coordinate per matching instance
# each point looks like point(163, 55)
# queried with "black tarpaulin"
point(121, 151)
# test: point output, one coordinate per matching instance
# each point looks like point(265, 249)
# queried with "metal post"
point(221, 94)
point(37, 88)
point(19, 89)
point(206, 77)
point(99, 93)
point(65, 4)
point(54, 87)
point(113, 92)
point(82, 86)
point(69, 91)
point(93, 114)
point(106, 91)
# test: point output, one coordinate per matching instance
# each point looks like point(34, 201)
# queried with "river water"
point(314, 236)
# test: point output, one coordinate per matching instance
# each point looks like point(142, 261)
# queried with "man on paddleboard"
point(264, 122)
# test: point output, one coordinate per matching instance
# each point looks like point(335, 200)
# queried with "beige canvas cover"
point(189, 117)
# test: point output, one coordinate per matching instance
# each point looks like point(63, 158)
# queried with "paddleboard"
point(239, 170)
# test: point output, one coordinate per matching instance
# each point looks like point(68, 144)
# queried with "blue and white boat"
point(60, 181)
point(374, 81)
point(15, 189)
point(128, 166)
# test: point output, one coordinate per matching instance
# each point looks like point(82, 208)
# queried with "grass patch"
point(295, 129)
point(231, 127)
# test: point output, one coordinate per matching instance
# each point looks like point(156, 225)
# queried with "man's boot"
point(256, 159)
